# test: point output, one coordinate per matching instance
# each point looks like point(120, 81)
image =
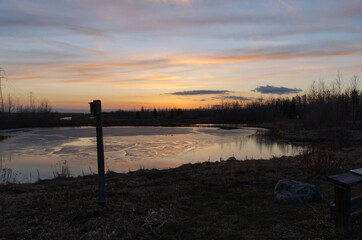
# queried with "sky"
point(174, 53)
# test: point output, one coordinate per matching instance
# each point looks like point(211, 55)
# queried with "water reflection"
point(40, 151)
point(267, 142)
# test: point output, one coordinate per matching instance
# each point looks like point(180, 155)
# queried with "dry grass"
point(7, 176)
point(62, 171)
point(320, 160)
point(224, 200)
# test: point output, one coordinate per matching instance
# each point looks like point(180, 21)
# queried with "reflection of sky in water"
point(130, 148)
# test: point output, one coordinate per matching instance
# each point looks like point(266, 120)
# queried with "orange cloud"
point(162, 76)
point(260, 56)
point(278, 53)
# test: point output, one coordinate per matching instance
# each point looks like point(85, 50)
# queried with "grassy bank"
point(222, 200)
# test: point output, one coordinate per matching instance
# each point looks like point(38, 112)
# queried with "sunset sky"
point(174, 53)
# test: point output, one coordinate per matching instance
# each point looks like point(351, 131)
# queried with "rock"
point(294, 191)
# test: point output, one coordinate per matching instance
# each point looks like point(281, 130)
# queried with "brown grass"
point(321, 160)
point(62, 171)
point(7, 176)
point(224, 200)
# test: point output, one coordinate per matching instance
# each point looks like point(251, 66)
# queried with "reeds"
point(8, 175)
point(320, 160)
point(64, 171)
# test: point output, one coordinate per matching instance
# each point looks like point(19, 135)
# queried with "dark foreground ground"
point(223, 200)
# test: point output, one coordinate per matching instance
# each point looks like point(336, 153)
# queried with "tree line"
point(13, 114)
point(322, 105)
point(14, 106)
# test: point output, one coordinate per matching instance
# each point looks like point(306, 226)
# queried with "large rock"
point(294, 191)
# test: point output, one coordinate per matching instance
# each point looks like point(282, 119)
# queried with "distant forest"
point(321, 106)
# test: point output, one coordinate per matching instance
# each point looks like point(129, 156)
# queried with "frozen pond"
point(40, 152)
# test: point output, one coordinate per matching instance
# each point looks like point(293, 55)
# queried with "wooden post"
point(342, 209)
point(96, 110)
point(345, 205)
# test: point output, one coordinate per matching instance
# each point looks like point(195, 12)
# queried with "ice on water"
point(130, 148)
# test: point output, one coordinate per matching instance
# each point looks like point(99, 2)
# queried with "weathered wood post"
point(96, 110)
point(344, 204)
point(342, 199)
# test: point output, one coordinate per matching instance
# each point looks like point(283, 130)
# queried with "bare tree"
point(10, 104)
point(338, 81)
point(354, 96)
point(312, 93)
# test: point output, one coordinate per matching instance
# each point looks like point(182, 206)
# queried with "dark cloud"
point(238, 98)
point(200, 92)
point(276, 90)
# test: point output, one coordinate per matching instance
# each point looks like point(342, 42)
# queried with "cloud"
point(69, 66)
point(34, 20)
point(161, 77)
point(142, 41)
point(276, 90)
point(285, 52)
point(111, 18)
point(239, 98)
point(200, 92)
point(182, 2)
point(288, 6)
point(162, 61)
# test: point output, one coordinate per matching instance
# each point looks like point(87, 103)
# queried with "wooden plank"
point(333, 211)
point(342, 209)
point(357, 171)
point(345, 180)
point(356, 204)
